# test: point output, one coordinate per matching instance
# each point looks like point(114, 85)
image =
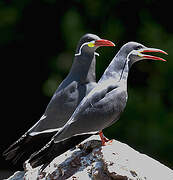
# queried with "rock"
point(91, 161)
point(17, 175)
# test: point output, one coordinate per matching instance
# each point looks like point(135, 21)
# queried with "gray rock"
point(91, 161)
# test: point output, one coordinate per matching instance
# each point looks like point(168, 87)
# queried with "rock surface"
point(91, 161)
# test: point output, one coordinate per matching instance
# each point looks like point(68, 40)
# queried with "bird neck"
point(83, 68)
point(118, 69)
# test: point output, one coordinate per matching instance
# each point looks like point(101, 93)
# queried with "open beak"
point(103, 42)
point(149, 56)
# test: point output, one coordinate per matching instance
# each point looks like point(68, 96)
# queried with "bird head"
point(135, 52)
point(90, 42)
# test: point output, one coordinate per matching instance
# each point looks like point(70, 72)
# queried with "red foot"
point(108, 143)
point(105, 141)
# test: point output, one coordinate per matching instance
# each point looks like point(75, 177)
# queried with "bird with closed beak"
point(78, 83)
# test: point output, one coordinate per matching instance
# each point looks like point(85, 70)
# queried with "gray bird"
point(100, 108)
point(78, 83)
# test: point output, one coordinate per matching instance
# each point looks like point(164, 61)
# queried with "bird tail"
point(52, 150)
point(15, 151)
point(22, 149)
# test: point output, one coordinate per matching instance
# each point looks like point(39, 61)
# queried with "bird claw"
point(109, 142)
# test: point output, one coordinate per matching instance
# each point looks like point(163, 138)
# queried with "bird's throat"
point(117, 70)
point(83, 68)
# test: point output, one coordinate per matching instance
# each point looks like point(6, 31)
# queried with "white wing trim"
point(46, 131)
point(94, 132)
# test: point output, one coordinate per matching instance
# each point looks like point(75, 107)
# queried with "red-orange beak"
point(103, 42)
point(149, 56)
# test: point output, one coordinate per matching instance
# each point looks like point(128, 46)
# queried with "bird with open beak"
point(100, 108)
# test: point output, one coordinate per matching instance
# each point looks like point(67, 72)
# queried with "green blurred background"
point(37, 43)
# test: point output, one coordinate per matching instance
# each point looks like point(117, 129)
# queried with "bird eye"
point(138, 47)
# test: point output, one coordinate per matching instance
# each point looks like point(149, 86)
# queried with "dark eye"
point(138, 47)
point(90, 39)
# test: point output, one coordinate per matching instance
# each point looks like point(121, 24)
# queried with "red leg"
point(104, 139)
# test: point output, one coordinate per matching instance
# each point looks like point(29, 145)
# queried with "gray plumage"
point(99, 109)
point(78, 83)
